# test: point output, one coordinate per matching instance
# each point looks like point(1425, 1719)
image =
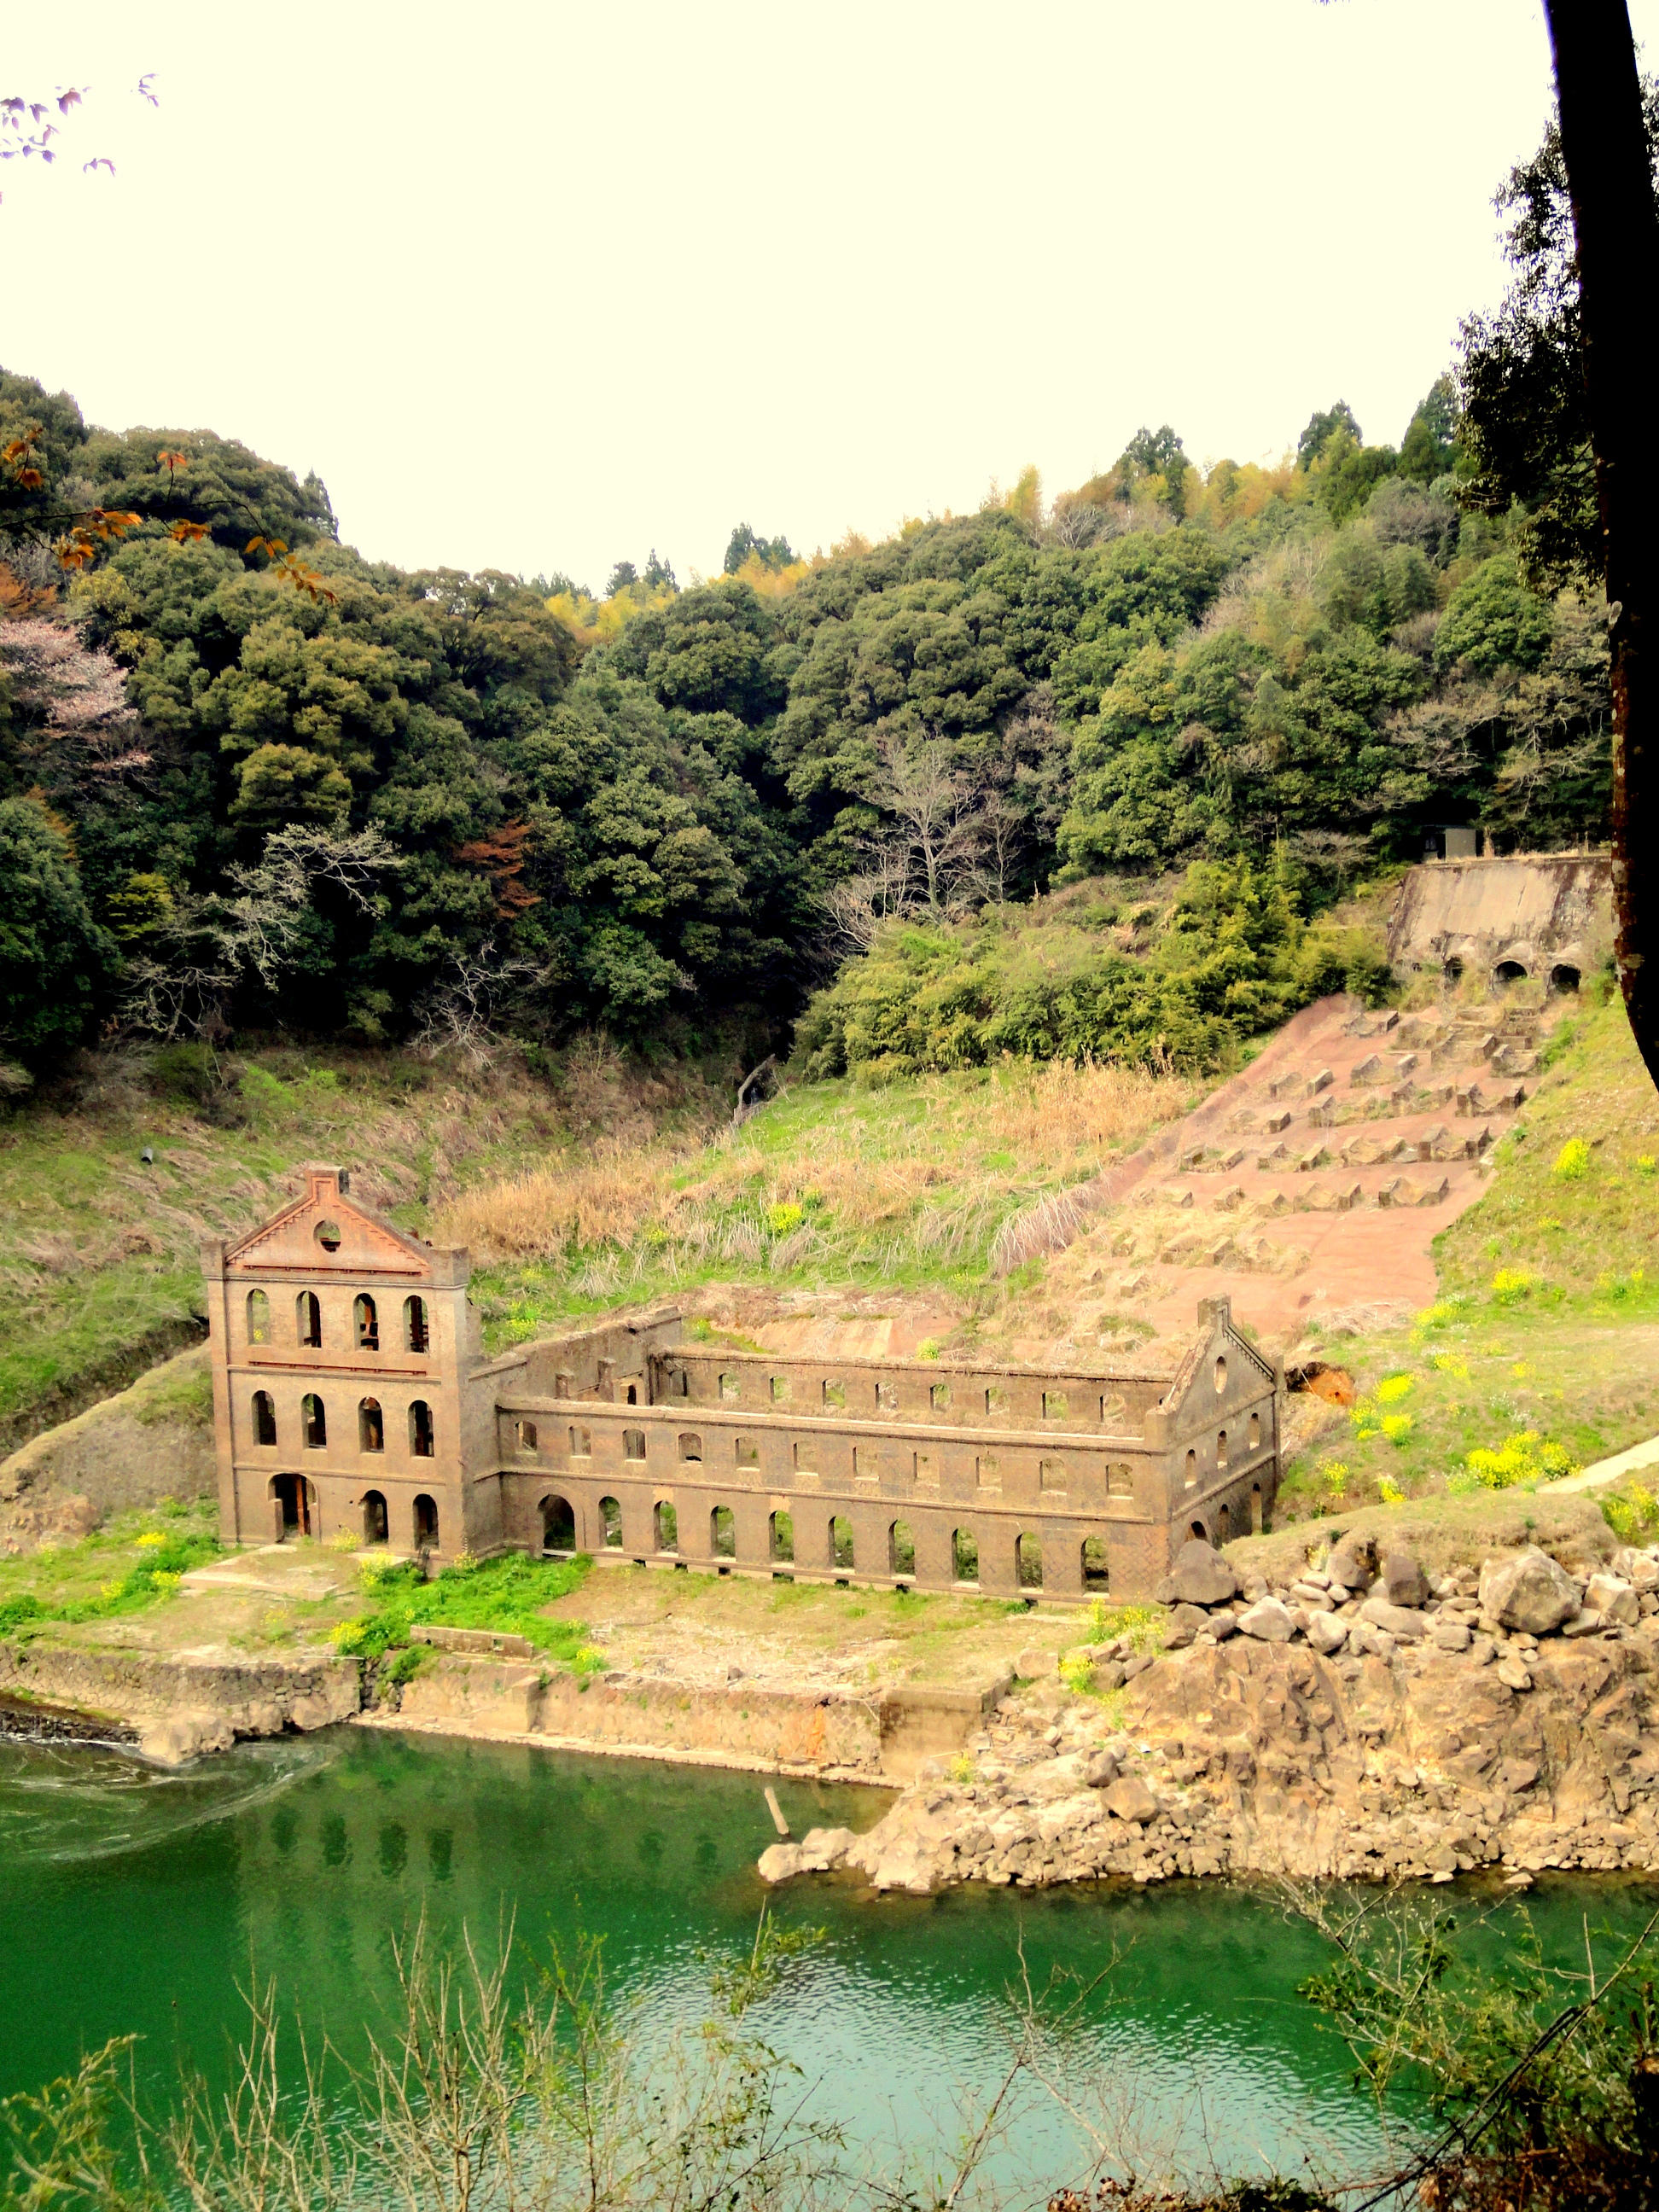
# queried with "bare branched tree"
point(937, 807)
point(462, 1012)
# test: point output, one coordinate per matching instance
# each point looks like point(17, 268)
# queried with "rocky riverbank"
point(1363, 1721)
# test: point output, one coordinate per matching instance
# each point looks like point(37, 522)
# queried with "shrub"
point(1393, 1387)
point(1390, 1493)
point(1572, 1161)
point(1521, 1462)
point(1509, 1285)
point(781, 1216)
point(1631, 1512)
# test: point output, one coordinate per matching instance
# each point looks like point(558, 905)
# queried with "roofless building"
point(351, 1392)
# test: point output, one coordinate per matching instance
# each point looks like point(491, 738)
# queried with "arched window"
point(313, 1422)
point(426, 1523)
point(690, 1446)
point(308, 1318)
point(633, 1393)
point(264, 1417)
point(1255, 1431)
point(1028, 1562)
point(376, 1528)
point(781, 1529)
point(417, 1335)
point(1192, 1468)
point(900, 1549)
point(371, 1427)
point(366, 1324)
point(610, 1522)
point(841, 1541)
point(1096, 1574)
point(723, 1533)
point(258, 1317)
point(420, 1429)
point(965, 1555)
point(558, 1525)
point(1221, 1377)
point(667, 1526)
point(1256, 1521)
point(1201, 1534)
point(1221, 1447)
point(1222, 1520)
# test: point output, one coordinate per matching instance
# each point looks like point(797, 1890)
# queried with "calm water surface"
point(136, 1901)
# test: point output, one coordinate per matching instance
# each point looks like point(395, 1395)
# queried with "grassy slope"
point(889, 1189)
point(99, 1272)
point(1548, 1319)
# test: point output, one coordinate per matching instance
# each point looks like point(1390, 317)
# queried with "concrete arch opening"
point(558, 1525)
point(313, 1422)
point(308, 1319)
point(1028, 1562)
point(377, 1528)
point(420, 1429)
point(292, 1497)
point(841, 1552)
point(264, 1417)
point(1565, 979)
point(723, 1533)
point(1222, 1521)
point(1507, 972)
point(780, 1536)
point(1096, 1570)
point(900, 1549)
point(666, 1525)
point(417, 1329)
point(371, 1426)
point(258, 1317)
point(425, 1520)
point(965, 1555)
point(610, 1522)
point(364, 1322)
point(1201, 1534)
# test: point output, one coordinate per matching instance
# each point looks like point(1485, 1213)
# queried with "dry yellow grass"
point(891, 1179)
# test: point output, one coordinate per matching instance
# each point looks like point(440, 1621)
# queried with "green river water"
point(134, 1901)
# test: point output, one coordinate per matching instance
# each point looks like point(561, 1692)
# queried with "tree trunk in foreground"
point(1616, 227)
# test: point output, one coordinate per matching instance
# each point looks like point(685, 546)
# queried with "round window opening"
point(327, 1234)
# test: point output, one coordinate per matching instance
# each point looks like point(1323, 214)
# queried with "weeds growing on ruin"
point(505, 1594)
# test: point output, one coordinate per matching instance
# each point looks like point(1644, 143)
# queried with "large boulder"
point(1403, 1581)
point(1183, 1625)
point(1326, 1633)
point(1614, 1599)
point(1402, 1620)
point(1268, 1621)
point(1528, 1591)
point(1130, 1799)
point(1353, 1563)
point(1200, 1577)
point(179, 1737)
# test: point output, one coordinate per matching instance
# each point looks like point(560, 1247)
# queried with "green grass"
point(1542, 1349)
point(505, 1594)
point(131, 1566)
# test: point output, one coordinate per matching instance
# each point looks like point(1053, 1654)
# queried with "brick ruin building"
point(351, 1392)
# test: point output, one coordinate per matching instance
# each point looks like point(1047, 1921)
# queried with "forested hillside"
point(249, 781)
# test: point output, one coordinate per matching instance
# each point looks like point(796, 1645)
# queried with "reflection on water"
point(137, 1900)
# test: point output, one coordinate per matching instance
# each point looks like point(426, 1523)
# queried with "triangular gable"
point(289, 1242)
point(1219, 1335)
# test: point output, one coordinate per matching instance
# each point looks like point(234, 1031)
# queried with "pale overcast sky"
point(534, 287)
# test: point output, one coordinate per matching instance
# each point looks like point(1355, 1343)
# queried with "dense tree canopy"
point(398, 801)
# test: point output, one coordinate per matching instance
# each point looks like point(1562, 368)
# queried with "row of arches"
point(296, 1499)
point(1562, 978)
point(1222, 1449)
point(365, 1321)
point(371, 1424)
point(558, 1519)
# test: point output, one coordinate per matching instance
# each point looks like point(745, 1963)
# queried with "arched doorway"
point(426, 1523)
point(293, 1493)
point(1028, 1562)
point(376, 1527)
point(1096, 1573)
point(900, 1549)
point(558, 1525)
